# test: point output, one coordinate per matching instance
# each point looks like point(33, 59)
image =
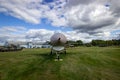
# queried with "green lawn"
point(82, 63)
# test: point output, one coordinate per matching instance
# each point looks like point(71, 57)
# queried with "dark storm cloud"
point(91, 27)
point(92, 16)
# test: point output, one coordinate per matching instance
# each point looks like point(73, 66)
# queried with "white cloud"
point(89, 19)
point(42, 35)
point(39, 34)
point(33, 11)
point(78, 13)
point(22, 9)
point(45, 35)
point(93, 17)
point(12, 33)
point(10, 29)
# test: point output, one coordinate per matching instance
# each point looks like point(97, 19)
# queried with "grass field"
point(82, 63)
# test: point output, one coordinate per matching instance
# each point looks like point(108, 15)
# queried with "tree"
point(79, 43)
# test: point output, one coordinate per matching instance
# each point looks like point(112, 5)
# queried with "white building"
point(27, 44)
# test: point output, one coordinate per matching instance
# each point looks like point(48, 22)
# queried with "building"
point(27, 44)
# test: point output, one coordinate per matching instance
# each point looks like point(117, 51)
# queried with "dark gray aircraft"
point(58, 41)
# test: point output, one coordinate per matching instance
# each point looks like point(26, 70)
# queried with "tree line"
point(100, 43)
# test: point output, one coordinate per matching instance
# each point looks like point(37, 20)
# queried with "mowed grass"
point(81, 63)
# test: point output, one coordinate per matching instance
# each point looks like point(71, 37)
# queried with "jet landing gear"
point(58, 52)
point(58, 57)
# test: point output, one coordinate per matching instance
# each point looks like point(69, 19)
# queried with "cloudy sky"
point(38, 20)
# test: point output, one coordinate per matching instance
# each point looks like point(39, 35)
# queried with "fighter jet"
point(58, 41)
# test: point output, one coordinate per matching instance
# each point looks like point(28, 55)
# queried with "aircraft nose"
point(59, 39)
